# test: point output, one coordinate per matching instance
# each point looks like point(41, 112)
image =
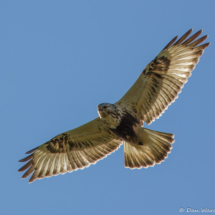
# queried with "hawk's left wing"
point(162, 80)
point(72, 150)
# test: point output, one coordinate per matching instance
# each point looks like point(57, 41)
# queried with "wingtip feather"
point(32, 150)
point(184, 37)
point(171, 42)
point(26, 158)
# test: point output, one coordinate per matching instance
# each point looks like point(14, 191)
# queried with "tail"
point(156, 146)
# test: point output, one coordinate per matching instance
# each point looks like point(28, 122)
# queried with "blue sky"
point(59, 60)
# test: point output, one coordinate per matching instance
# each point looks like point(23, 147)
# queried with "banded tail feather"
point(154, 149)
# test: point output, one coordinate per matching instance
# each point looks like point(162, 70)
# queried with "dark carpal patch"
point(58, 144)
point(125, 128)
point(160, 64)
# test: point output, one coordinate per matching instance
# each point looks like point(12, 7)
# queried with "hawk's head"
point(110, 114)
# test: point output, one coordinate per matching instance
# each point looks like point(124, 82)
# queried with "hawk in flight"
point(156, 88)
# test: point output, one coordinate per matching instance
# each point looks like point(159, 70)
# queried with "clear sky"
point(59, 60)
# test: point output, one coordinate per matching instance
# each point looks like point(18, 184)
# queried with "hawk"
point(156, 88)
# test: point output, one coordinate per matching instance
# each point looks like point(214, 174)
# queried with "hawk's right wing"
point(72, 150)
point(162, 80)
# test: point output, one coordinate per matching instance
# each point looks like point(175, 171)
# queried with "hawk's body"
point(156, 88)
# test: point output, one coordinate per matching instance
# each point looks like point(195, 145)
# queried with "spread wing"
point(72, 150)
point(162, 80)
